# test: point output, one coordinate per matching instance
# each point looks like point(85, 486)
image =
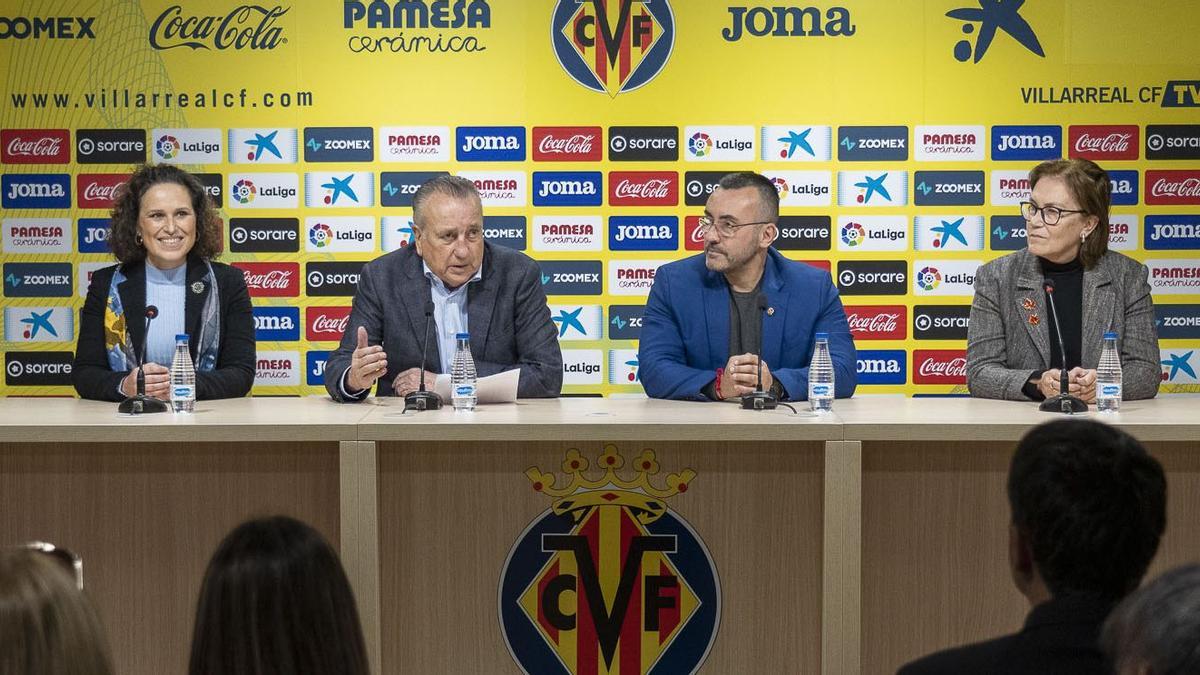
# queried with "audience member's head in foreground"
point(1156, 630)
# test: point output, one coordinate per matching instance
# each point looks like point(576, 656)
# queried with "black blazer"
point(1060, 637)
point(507, 317)
point(234, 373)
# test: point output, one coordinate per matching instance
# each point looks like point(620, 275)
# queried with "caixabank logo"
point(39, 324)
point(612, 47)
point(609, 579)
point(355, 189)
point(578, 322)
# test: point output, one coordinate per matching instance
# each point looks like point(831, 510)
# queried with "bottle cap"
point(462, 336)
point(822, 336)
point(1110, 335)
point(181, 336)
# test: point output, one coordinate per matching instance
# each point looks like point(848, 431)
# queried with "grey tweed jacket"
point(1008, 336)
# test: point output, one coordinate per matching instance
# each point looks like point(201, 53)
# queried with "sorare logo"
point(625, 322)
point(643, 144)
point(872, 144)
point(93, 234)
point(276, 324)
point(1171, 232)
point(872, 277)
point(38, 280)
point(1172, 141)
point(568, 144)
point(801, 143)
point(187, 146)
point(263, 146)
point(396, 188)
point(332, 278)
point(698, 185)
point(882, 366)
point(612, 49)
point(110, 146)
point(568, 188)
point(339, 144)
point(643, 233)
point(571, 277)
point(213, 184)
point(35, 146)
point(38, 369)
point(941, 322)
point(264, 235)
point(35, 191)
point(802, 233)
point(490, 144)
point(948, 188)
point(1023, 143)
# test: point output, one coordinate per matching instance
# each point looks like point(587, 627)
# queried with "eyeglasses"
point(1050, 214)
point(70, 561)
point(724, 229)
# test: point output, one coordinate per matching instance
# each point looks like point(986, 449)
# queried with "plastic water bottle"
point(183, 378)
point(462, 374)
point(1108, 376)
point(820, 377)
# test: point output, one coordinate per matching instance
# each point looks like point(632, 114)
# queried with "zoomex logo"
point(872, 277)
point(1026, 143)
point(625, 321)
point(882, 366)
point(332, 278)
point(1173, 141)
point(396, 188)
point(35, 191)
point(339, 144)
point(609, 528)
point(643, 233)
point(865, 144)
point(1177, 322)
point(992, 16)
point(253, 27)
point(276, 324)
point(1172, 232)
point(264, 235)
point(490, 144)
point(47, 27)
point(948, 188)
point(1007, 233)
point(34, 280)
point(38, 369)
point(110, 146)
point(941, 322)
point(507, 231)
point(612, 47)
point(271, 280)
point(571, 277)
point(643, 144)
point(567, 188)
point(35, 146)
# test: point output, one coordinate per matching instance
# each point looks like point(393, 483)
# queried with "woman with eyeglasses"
point(1012, 340)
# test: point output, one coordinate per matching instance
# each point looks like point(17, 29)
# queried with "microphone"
point(1064, 402)
point(141, 403)
point(759, 399)
point(421, 399)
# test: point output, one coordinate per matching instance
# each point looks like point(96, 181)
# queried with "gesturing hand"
point(367, 364)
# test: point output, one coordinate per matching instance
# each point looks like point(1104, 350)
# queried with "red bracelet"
point(717, 389)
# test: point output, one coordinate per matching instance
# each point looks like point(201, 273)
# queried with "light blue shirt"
point(449, 313)
point(165, 289)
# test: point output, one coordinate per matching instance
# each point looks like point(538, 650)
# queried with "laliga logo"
point(853, 234)
point(781, 186)
point(244, 191)
point(608, 53)
point(700, 144)
point(320, 235)
point(609, 573)
point(167, 147)
point(929, 278)
point(993, 15)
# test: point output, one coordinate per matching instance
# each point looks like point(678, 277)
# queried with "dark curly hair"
point(122, 241)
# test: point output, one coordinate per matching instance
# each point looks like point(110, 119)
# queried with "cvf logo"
point(939, 366)
point(326, 324)
point(1103, 142)
point(866, 144)
point(251, 27)
point(98, 190)
point(271, 280)
point(612, 48)
point(643, 188)
point(35, 146)
point(1178, 187)
point(877, 322)
point(567, 144)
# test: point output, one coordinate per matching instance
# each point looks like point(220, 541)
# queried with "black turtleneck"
point(1068, 300)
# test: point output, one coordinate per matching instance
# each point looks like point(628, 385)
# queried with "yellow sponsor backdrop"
point(869, 63)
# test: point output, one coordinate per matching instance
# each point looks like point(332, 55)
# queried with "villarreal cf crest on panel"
point(608, 580)
point(613, 46)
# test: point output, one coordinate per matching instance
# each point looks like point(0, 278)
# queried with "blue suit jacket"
point(685, 330)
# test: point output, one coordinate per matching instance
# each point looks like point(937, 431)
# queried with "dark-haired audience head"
point(47, 625)
point(276, 601)
point(1156, 630)
point(1088, 510)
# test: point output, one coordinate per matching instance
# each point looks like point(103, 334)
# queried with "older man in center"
point(491, 292)
point(703, 326)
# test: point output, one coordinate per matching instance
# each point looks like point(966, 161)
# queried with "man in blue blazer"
point(704, 320)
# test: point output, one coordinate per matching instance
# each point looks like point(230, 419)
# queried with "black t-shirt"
point(1068, 301)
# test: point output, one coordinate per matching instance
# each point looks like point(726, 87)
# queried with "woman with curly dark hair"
point(165, 234)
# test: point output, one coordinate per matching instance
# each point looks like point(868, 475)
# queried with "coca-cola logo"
point(1173, 187)
point(1110, 141)
point(35, 146)
point(244, 27)
point(693, 238)
point(96, 191)
point(271, 279)
point(939, 366)
point(99, 190)
point(643, 188)
point(1189, 187)
point(327, 323)
point(877, 323)
point(567, 144)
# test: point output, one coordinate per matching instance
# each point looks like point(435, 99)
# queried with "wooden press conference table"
point(847, 543)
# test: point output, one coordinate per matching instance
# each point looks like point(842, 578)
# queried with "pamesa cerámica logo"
point(416, 26)
point(990, 18)
point(612, 47)
point(244, 27)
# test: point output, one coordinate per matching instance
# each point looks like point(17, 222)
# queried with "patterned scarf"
point(119, 346)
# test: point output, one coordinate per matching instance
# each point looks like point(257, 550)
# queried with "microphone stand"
point(141, 403)
point(421, 399)
point(759, 399)
point(1064, 402)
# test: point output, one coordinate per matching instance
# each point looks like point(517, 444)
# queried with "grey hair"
point(455, 187)
point(1158, 626)
point(768, 196)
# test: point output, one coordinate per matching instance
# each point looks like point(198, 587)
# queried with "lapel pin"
point(1034, 320)
point(770, 311)
point(1028, 304)
point(197, 287)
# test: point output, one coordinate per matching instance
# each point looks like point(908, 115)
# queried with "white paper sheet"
point(498, 388)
